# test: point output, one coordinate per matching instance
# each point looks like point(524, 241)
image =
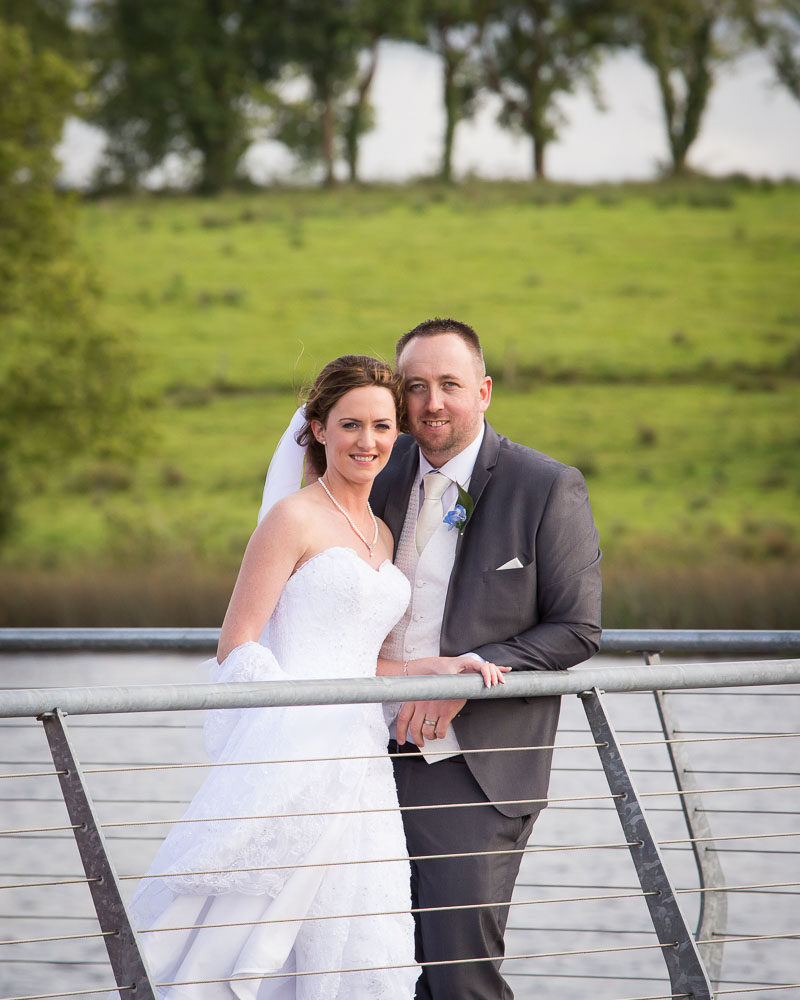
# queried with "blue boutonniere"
point(460, 514)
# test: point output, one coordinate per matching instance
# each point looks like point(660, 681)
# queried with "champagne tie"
point(430, 514)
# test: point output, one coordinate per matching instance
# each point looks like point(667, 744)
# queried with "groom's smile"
point(446, 394)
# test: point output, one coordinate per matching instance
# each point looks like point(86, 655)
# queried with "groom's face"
point(446, 394)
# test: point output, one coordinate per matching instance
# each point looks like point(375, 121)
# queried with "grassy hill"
point(649, 335)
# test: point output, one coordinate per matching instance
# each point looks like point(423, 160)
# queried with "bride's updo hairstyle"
point(337, 378)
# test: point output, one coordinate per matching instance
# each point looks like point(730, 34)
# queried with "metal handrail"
point(697, 641)
point(24, 702)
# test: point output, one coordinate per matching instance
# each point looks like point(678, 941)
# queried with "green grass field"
point(233, 289)
point(649, 335)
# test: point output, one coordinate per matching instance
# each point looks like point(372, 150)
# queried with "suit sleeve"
point(565, 627)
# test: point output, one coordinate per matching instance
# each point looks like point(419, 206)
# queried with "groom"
point(517, 584)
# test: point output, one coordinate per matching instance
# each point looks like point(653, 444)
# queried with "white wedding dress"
point(330, 622)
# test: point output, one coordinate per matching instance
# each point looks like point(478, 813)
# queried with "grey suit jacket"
point(543, 616)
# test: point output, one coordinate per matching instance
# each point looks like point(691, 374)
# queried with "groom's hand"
point(413, 715)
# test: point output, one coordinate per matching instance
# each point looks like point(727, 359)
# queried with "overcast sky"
point(750, 125)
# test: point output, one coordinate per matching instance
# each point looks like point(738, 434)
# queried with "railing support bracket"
point(687, 974)
point(127, 961)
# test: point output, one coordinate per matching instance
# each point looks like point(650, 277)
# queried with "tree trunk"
point(217, 171)
point(539, 145)
point(328, 132)
point(451, 114)
point(220, 139)
point(537, 101)
point(682, 117)
point(355, 118)
point(220, 145)
point(698, 87)
point(669, 105)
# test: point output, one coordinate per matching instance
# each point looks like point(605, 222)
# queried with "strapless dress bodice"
point(334, 613)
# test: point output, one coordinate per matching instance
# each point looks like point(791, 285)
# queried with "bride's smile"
point(358, 435)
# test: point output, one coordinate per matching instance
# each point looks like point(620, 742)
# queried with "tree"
point(66, 383)
point(536, 50)
point(334, 46)
point(676, 40)
point(46, 23)
point(320, 133)
point(775, 26)
point(453, 29)
point(685, 41)
point(358, 117)
point(174, 78)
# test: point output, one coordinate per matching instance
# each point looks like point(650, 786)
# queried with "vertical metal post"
point(713, 918)
point(687, 974)
point(127, 961)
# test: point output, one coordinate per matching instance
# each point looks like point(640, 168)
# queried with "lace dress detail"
point(267, 867)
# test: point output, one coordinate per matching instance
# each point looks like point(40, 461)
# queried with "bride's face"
point(359, 433)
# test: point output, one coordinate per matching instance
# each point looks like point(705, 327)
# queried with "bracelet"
point(405, 668)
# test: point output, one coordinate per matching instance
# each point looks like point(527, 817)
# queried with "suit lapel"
point(481, 474)
point(484, 465)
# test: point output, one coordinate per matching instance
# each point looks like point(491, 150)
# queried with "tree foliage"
point(193, 77)
point(537, 50)
point(775, 25)
point(175, 77)
point(334, 46)
point(66, 383)
point(197, 77)
point(46, 23)
point(324, 40)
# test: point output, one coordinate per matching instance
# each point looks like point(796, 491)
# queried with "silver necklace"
point(350, 521)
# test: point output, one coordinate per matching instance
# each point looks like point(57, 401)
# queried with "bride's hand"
point(491, 673)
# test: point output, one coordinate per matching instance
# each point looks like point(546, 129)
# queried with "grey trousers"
point(468, 933)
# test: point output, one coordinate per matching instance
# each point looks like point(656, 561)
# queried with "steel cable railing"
point(568, 801)
point(595, 950)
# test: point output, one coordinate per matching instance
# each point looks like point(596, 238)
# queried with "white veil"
point(285, 473)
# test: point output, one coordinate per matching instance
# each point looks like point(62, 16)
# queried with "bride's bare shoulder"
point(290, 514)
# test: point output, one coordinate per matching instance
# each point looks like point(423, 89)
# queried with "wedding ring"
point(429, 722)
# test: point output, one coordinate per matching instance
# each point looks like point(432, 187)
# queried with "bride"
point(292, 883)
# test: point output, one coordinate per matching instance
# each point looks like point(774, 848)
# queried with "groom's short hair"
point(436, 327)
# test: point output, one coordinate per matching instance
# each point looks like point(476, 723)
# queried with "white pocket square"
point(511, 564)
